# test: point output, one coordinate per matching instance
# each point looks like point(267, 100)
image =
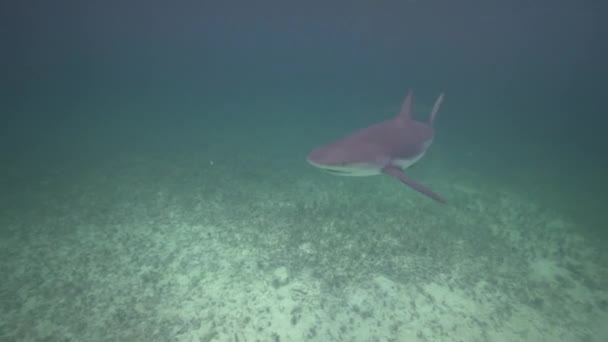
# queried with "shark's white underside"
point(366, 169)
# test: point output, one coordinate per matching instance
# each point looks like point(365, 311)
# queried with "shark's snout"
point(330, 156)
point(314, 156)
point(320, 156)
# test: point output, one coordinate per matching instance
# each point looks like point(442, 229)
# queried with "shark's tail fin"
point(435, 109)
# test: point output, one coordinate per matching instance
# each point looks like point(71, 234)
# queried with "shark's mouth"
point(338, 172)
point(359, 169)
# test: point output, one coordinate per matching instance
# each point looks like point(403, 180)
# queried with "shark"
point(388, 147)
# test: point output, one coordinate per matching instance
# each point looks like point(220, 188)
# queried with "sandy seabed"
point(153, 250)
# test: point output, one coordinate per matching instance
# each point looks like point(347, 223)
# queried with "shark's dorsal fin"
point(405, 113)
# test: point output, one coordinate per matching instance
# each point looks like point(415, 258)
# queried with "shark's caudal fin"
point(435, 109)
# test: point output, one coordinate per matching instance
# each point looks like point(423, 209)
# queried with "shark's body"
point(388, 147)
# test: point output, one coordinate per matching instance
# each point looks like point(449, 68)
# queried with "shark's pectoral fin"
point(396, 172)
